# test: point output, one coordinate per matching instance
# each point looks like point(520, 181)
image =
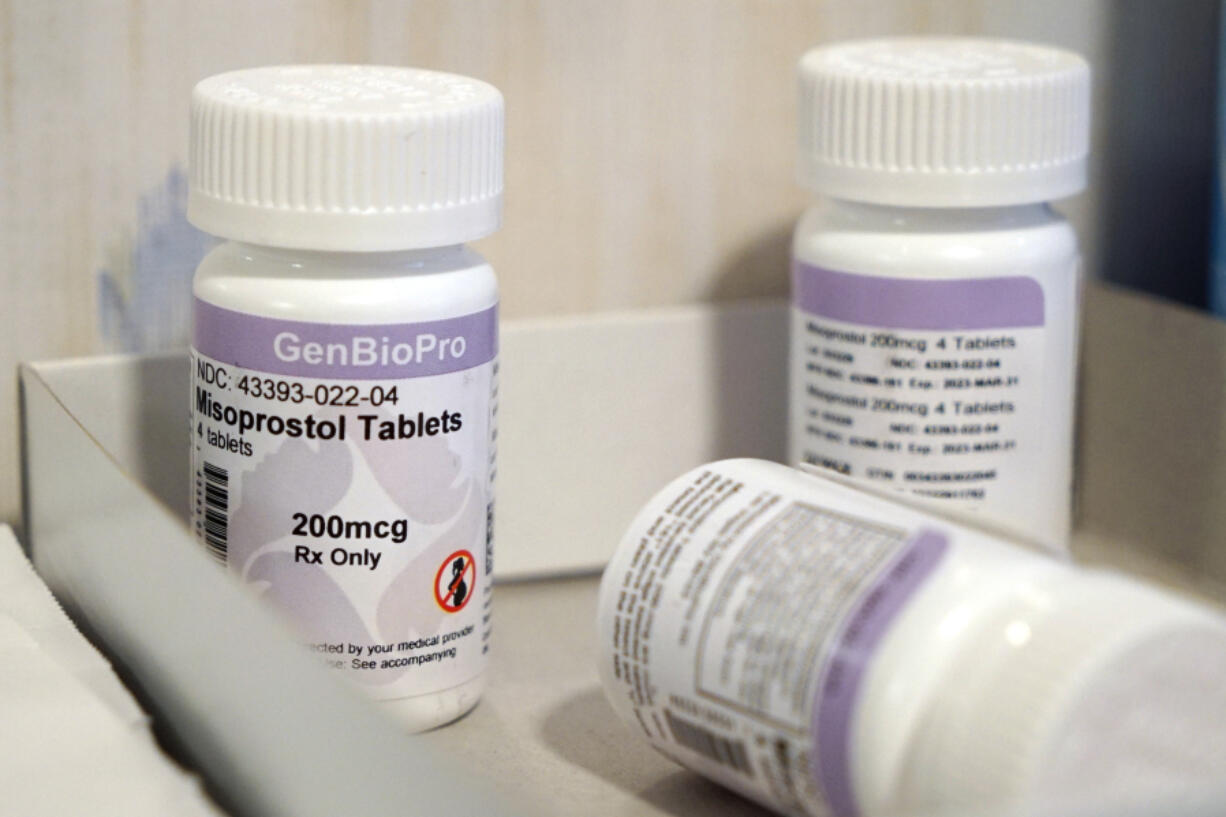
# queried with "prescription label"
point(345, 473)
point(956, 391)
point(745, 659)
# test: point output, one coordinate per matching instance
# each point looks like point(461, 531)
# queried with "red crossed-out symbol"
point(455, 581)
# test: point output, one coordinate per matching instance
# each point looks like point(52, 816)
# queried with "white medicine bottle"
point(344, 364)
point(934, 290)
point(828, 652)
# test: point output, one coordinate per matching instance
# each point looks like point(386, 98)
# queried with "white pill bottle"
point(831, 653)
point(935, 292)
point(344, 364)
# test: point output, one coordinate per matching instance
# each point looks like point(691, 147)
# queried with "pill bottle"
point(344, 364)
point(826, 651)
point(934, 290)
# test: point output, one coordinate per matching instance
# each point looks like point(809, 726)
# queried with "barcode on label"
point(216, 509)
point(722, 750)
point(489, 539)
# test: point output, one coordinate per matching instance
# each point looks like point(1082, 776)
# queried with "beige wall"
point(649, 143)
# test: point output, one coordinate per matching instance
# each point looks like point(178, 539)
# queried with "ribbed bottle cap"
point(346, 157)
point(1098, 686)
point(949, 122)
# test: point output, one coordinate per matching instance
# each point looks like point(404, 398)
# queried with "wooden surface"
point(650, 145)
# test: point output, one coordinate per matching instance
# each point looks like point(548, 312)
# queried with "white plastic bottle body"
point(825, 651)
point(343, 427)
point(934, 351)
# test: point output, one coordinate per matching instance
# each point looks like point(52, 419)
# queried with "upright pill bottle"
point(934, 290)
point(832, 653)
point(344, 364)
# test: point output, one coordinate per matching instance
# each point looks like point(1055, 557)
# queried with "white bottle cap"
point(947, 122)
point(1100, 686)
point(346, 157)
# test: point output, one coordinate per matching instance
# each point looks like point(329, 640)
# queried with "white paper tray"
point(597, 414)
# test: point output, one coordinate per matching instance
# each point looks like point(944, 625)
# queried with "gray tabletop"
point(545, 730)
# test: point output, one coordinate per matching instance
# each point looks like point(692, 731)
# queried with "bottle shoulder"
point(346, 287)
point(933, 242)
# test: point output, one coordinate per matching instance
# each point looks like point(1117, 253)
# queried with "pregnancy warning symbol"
point(455, 581)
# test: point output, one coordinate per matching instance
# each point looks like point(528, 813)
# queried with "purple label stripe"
point(840, 684)
point(906, 303)
point(346, 351)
